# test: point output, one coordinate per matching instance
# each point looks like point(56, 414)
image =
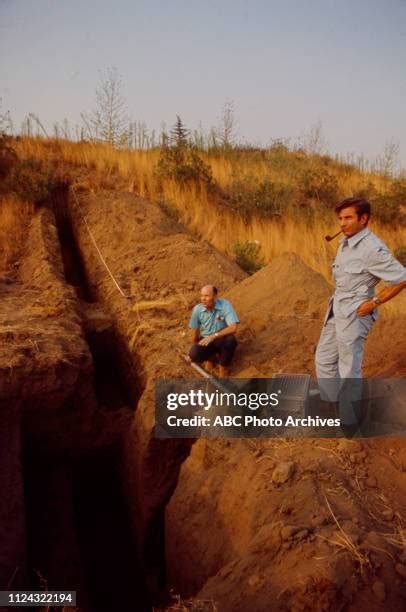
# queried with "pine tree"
point(179, 134)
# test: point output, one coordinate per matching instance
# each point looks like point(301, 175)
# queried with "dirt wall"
point(160, 267)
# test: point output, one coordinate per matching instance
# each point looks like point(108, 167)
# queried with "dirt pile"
point(281, 309)
point(287, 287)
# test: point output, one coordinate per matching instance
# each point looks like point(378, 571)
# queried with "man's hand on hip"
point(366, 308)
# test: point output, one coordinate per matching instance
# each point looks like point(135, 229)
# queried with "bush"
point(247, 256)
point(248, 196)
point(183, 164)
point(387, 207)
point(319, 185)
point(31, 181)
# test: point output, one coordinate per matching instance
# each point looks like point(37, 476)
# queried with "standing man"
point(213, 324)
point(362, 260)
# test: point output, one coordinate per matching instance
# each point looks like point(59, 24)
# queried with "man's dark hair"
point(362, 207)
point(215, 290)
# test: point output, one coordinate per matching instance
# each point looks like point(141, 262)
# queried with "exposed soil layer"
point(44, 363)
point(252, 525)
point(52, 422)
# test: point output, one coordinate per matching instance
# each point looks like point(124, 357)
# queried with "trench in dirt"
point(78, 529)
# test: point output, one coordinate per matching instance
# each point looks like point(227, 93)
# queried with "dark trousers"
point(224, 347)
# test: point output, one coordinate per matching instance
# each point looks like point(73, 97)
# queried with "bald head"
point(208, 296)
point(210, 288)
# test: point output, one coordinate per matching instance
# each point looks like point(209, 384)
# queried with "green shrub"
point(183, 164)
point(388, 207)
point(247, 256)
point(320, 185)
point(31, 181)
point(248, 196)
point(278, 155)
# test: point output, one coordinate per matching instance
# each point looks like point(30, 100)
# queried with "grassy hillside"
point(279, 200)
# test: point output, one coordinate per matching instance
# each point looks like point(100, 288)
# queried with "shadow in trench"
point(78, 532)
point(74, 270)
point(107, 550)
point(110, 387)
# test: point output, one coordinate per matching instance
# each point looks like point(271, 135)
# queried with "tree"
point(108, 121)
point(179, 159)
point(6, 124)
point(314, 141)
point(388, 163)
point(179, 134)
point(227, 130)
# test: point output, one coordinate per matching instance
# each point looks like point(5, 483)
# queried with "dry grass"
point(154, 305)
point(134, 170)
point(14, 218)
point(145, 328)
point(189, 605)
point(397, 538)
point(344, 542)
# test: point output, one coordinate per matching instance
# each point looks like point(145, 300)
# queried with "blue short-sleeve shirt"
point(362, 261)
point(211, 321)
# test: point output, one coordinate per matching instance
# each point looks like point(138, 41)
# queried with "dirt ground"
point(255, 525)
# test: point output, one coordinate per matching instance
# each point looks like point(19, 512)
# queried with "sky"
point(286, 64)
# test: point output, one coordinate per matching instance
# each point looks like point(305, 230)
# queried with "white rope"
point(99, 253)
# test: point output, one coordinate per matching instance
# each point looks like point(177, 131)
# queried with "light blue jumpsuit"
point(361, 262)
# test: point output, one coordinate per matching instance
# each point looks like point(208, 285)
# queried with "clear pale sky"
point(286, 64)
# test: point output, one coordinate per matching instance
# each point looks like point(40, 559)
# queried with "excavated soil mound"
point(286, 286)
point(281, 309)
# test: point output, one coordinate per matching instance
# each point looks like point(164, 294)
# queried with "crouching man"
point(213, 324)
